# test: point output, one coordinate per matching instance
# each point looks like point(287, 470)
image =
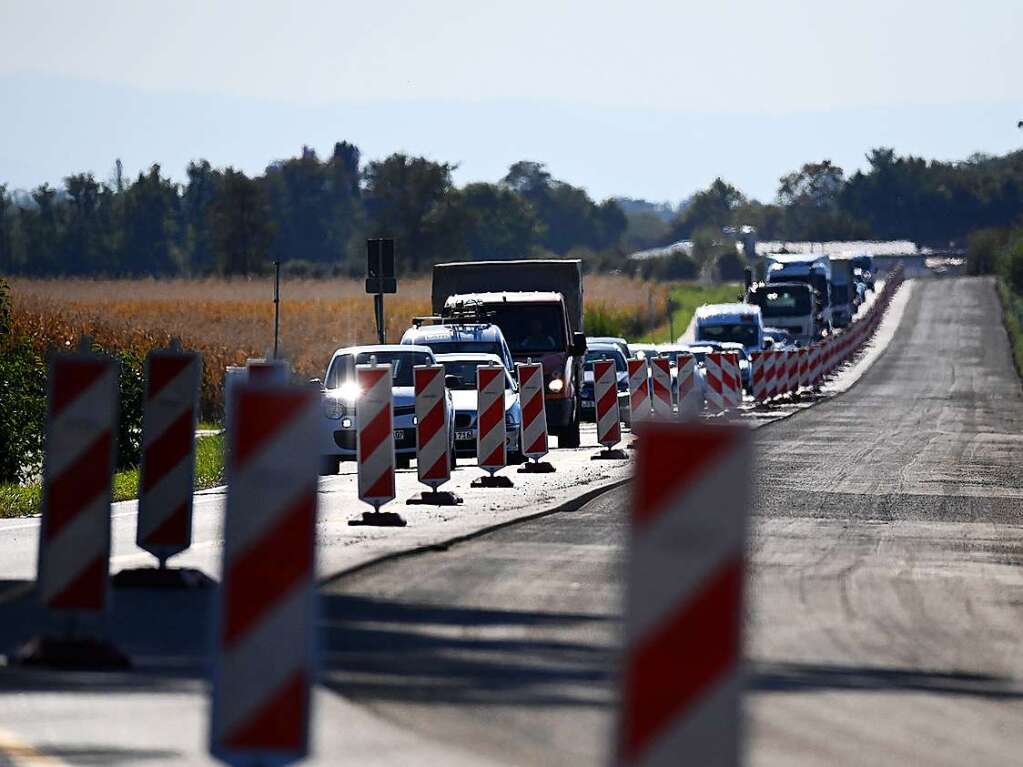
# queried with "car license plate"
point(464, 436)
point(587, 403)
point(399, 435)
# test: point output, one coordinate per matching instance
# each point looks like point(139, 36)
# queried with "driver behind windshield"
point(537, 338)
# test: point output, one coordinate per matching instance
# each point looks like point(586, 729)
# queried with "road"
point(886, 602)
point(886, 584)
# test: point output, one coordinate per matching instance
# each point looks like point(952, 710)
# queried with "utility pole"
point(277, 306)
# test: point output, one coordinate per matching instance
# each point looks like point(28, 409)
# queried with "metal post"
point(378, 306)
point(277, 305)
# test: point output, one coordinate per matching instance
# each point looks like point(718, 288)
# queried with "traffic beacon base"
point(379, 519)
point(435, 498)
point(535, 466)
point(72, 654)
point(609, 454)
point(162, 577)
point(492, 481)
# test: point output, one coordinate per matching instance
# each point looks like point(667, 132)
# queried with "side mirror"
point(452, 382)
point(578, 344)
point(316, 382)
point(768, 343)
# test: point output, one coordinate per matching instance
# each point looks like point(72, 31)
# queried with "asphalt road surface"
point(884, 621)
point(886, 588)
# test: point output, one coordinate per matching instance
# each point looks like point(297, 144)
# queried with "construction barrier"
point(682, 681)
point(263, 651)
point(759, 364)
point(733, 378)
point(792, 371)
point(375, 434)
point(660, 370)
point(804, 367)
point(490, 430)
point(433, 442)
point(266, 371)
point(815, 364)
point(533, 438)
point(605, 394)
point(166, 477)
point(78, 469)
point(690, 395)
point(772, 377)
point(639, 390)
point(715, 379)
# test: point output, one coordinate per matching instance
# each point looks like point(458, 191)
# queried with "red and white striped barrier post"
point(715, 377)
point(74, 540)
point(759, 362)
point(792, 370)
point(170, 414)
point(690, 396)
point(683, 680)
point(263, 650)
point(815, 364)
point(433, 440)
point(266, 371)
point(605, 395)
point(660, 369)
point(804, 367)
point(771, 357)
point(732, 379)
point(491, 431)
point(374, 441)
point(639, 391)
point(533, 433)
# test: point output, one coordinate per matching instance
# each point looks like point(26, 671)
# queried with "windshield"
point(610, 354)
point(744, 333)
point(782, 302)
point(342, 368)
point(442, 346)
point(465, 372)
point(530, 327)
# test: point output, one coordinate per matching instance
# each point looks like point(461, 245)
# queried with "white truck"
point(812, 270)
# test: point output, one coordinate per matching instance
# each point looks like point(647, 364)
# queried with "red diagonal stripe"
point(173, 531)
point(87, 591)
point(260, 414)
point(168, 450)
point(486, 375)
point(80, 483)
point(539, 446)
point(669, 671)
point(263, 574)
point(532, 408)
point(613, 434)
point(383, 487)
point(660, 390)
point(526, 373)
point(496, 458)
point(71, 377)
point(431, 423)
point(669, 458)
point(439, 470)
point(372, 435)
point(279, 724)
point(424, 378)
point(492, 416)
point(607, 399)
point(162, 370)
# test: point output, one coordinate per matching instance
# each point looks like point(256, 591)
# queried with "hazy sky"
point(646, 99)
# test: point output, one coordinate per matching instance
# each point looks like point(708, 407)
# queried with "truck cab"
point(812, 270)
point(790, 306)
point(537, 304)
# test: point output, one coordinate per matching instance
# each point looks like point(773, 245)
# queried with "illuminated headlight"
point(346, 423)
point(333, 407)
point(743, 364)
point(556, 384)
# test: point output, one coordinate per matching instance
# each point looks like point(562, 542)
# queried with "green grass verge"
point(687, 297)
point(1012, 315)
point(24, 500)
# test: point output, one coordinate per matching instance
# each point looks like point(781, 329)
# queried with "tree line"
point(314, 214)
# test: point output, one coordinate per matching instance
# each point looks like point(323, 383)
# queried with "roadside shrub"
point(22, 400)
point(982, 249)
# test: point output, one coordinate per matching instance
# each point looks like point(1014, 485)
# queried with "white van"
point(734, 323)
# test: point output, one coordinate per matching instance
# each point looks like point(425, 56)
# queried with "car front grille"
point(463, 420)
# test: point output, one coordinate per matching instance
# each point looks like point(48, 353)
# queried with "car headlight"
point(333, 407)
point(556, 384)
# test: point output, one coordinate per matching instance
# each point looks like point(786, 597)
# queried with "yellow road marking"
point(21, 754)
